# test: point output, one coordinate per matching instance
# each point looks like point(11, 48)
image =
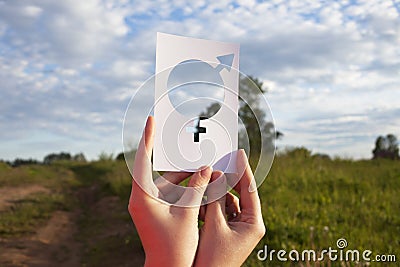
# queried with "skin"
point(170, 234)
point(227, 240)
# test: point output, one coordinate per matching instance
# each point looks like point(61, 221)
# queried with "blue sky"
point(69, 68)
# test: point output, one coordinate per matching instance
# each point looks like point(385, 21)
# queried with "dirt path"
point(97, 233)
point(9, 195)
point(52, 245)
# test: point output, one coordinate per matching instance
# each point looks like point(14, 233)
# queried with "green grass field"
point(308, 202)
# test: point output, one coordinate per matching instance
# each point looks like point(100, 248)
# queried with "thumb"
point(216, 192)
point(193, 194)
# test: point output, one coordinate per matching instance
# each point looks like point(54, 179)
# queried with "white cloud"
point(68, 68)
point(31, 11)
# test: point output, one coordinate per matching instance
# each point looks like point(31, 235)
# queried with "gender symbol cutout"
point(196, 104)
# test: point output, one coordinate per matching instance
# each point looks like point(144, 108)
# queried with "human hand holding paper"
point(169, 234)
point(232, 227)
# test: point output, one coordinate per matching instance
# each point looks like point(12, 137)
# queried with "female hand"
point(169, 234)
point(232, 227)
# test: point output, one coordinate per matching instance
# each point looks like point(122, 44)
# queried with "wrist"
point(158, 261)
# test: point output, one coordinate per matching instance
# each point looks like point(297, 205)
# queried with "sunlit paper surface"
point(180, 145)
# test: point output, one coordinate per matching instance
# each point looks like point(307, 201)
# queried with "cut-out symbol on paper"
point(194, 85)
point(196, 129)
point(226, 62)
point(196, 103)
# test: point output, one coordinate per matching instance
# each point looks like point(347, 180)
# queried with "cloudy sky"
point(69, 68)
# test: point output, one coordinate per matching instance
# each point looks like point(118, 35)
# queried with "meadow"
point(308, 202)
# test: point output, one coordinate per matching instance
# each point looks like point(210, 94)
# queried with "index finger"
point(142, 168)
point(249, 200)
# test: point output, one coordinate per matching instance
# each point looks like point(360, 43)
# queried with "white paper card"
point(196, 104)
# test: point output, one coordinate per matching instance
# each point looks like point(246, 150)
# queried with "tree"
point(393, 146)
point(56, 157)
point(19, 162)
point(129, 155)
point(80, 157)
point(120, 156)
point(251, 90)
point(386, 147)
point(104, 156)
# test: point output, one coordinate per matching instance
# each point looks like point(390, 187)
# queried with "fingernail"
point(243, 153)
point(216, 175)
point(253, 186)
point(147, 122)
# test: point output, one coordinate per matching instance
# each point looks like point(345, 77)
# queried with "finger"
point(193, 194)
point(169, 180)
point(147, 140)
point(176, 177)
point(233, 179)
point(249, 200)
point(142, 168)
point(216, 191)
point(202, 212)
point(232, 207)
point(167, 185)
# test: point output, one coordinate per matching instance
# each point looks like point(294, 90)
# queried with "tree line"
point(386, 147)
point(49, 159)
